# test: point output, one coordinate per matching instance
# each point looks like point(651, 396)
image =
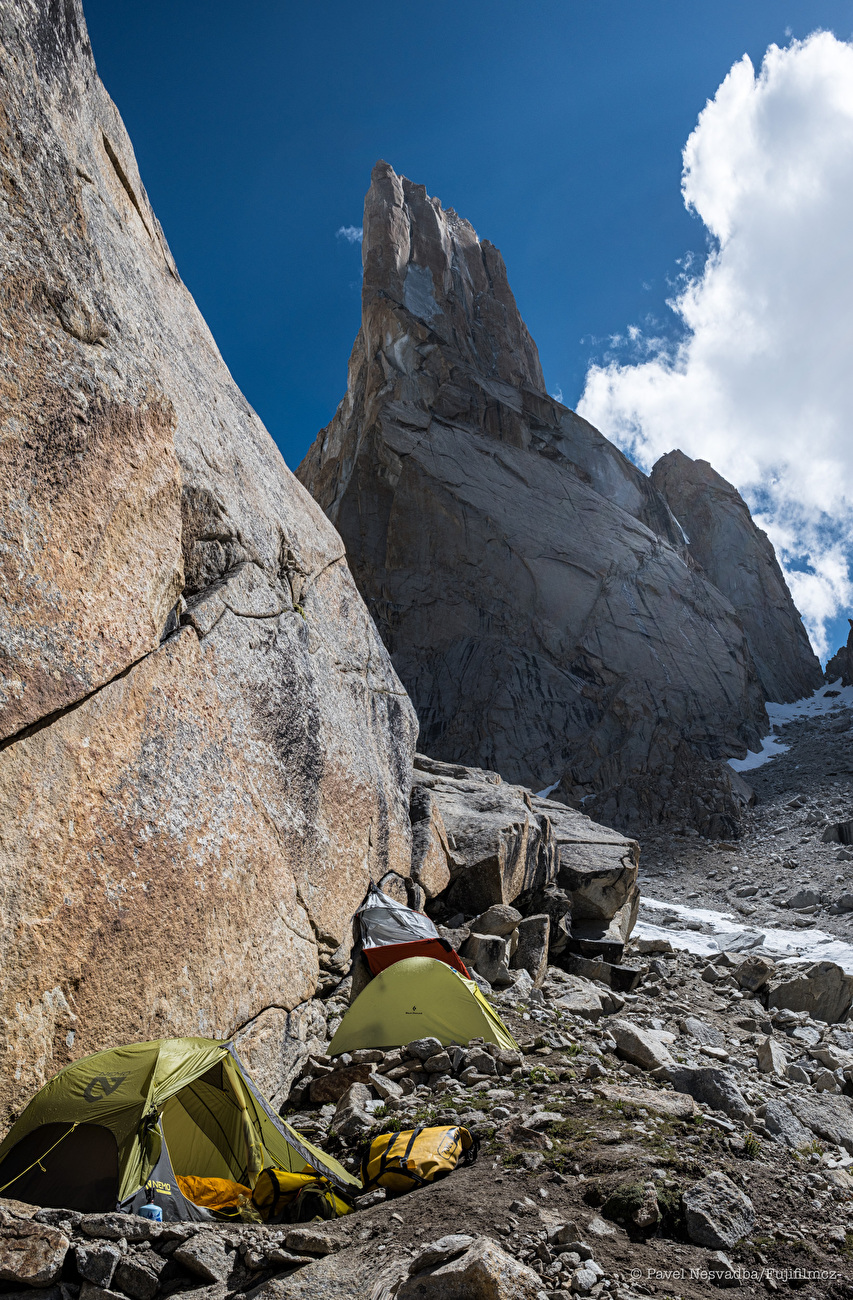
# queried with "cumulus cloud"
point(758, 378)
point(352, 234)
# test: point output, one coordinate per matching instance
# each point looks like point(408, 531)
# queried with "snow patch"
point(824, 700)
point(720, 932)
point(545, 794)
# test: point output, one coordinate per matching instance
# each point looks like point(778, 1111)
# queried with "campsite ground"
point(568, 1164)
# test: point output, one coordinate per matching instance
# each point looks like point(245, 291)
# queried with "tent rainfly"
point(390, 932)
point(111, 1130)
point(419, 998)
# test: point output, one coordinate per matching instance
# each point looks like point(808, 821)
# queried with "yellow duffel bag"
point(281, 1195)
point(412, 1158)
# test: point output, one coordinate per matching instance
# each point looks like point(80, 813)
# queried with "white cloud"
point(352, 234)
point(760, 381)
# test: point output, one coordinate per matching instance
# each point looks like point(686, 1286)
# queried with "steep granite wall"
point(529, 581)
point(740, 561)
point(206, 752)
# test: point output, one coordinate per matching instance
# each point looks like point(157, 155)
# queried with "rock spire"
point(531, 584)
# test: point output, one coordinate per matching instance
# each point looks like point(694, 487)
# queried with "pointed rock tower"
point(530, 582)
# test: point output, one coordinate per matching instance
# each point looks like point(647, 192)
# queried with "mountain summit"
point(537, 595)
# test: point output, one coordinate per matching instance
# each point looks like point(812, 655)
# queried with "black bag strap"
point(467, 1157)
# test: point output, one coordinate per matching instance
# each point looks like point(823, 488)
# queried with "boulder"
point(483, 1272)
point(486, 953)
point(139, 1278)
point(497, 919)
point(532, 951)
point(702, 1032)
point(676, 1105)
point(275, 1045)
point(822, 989)
point(431, 852)
point(31, 1253)
point(581, 998)
point(557, 655)
point(196, 702)
point(622, 979)
point(97, 1264)
point(207, 1255)
point(827, 1117)
point(784, 1125)
point(500, 846)
point(717, 1212)
point(754, 972)
point(639, 1046)
point(606, 939)
point(713, 1086)
point(771, 1058)
point(740, 560)
point(331, 1087)
point(434, 1253)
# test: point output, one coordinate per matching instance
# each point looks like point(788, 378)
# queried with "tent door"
point(161, 1188)
point(80, 1173)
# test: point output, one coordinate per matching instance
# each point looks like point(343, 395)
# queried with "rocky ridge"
point(532, 585)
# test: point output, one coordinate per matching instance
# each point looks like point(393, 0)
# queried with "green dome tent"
point(419, 998)
point(114, 1130)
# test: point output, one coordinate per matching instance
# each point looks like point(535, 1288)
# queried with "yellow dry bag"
point(283, 1196)
point(403, 1160)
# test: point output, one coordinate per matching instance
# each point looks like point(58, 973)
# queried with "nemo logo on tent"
point(102, 1085)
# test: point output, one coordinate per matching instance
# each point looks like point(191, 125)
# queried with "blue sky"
point(555, 127)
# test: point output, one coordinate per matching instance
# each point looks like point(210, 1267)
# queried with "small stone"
point(97, 1264)
point(31, 1253)
point(499, 919)
point(206, 1255)
point(312, 1241)
point(384, 1087)
point(583, 1280)
point(423, 1048)
point(439, 1063)
point(439, 1252)
point(639, 1046)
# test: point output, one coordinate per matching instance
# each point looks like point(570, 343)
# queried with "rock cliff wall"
point(841, 663)
point(206, 753)
point(740, 561)
point(531, 584)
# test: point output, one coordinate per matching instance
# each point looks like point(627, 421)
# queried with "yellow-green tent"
point(419, 998)
point(115, 1129)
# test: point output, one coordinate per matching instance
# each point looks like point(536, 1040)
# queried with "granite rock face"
point(206, 751)
point(740, 561)
point(531, 584)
